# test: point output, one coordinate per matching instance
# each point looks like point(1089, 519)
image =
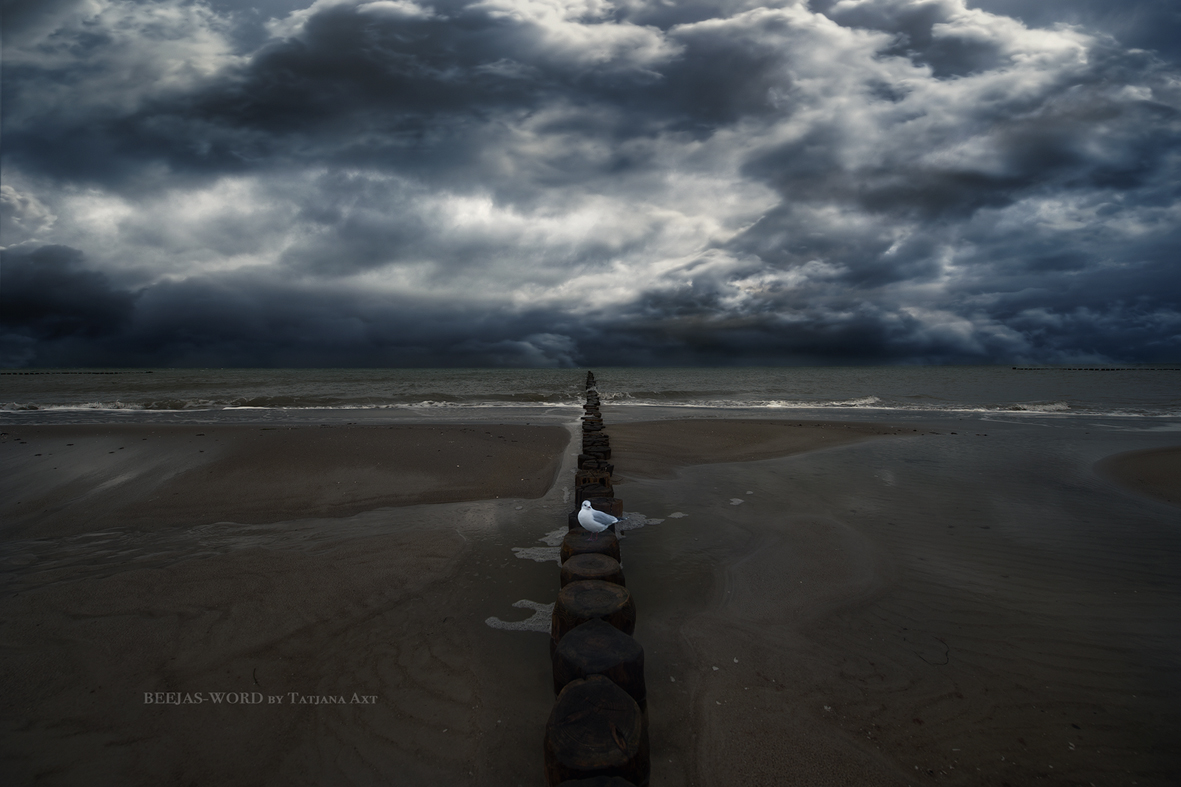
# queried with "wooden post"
point(592, 475)
point(591, 492)
point(595, 729)
point(592, 599)
point(582, 541)
point(591, 565)
point(589, 459)
point(598, 648)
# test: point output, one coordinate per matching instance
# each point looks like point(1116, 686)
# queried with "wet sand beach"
point(956, 606)
point(202, 560)
point(1155, 472)
point(68, 479)
point(659, 449)
point(830, 603)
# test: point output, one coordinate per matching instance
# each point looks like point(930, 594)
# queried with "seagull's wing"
point(603, 519)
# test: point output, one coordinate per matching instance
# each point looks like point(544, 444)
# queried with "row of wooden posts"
point(597, 733)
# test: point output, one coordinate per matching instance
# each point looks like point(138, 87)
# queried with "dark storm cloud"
point(380, 84)
point(47, 296)
point(542, 182)
point(246, 321)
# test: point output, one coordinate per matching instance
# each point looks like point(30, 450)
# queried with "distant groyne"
point(597, 732)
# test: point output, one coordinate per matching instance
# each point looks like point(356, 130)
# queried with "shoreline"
point(807, 593)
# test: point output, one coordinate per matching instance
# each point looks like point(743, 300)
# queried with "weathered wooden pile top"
point(597, 733)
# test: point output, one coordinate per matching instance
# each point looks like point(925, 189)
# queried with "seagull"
point(594, 521)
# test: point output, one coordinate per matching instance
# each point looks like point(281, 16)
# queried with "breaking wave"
point(270, 393)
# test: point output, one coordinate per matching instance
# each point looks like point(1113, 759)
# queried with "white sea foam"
point(550, 552)
point(1052, 407)
point(418, 392)
point(540, 620)
point(195, 406)
point(82, 406)
point(634, 520)
point(539, 554)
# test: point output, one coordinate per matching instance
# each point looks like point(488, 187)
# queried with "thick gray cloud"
point(549, 182)
point(47, 297)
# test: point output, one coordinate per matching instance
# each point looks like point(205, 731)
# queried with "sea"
point(71, 396)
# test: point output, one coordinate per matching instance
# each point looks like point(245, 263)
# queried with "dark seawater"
point(75, 396)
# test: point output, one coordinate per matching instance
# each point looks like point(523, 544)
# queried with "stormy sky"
point(586, 182)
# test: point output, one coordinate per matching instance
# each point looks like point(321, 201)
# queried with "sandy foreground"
point(71, 479)
point(820, 603)
point(1155, 472)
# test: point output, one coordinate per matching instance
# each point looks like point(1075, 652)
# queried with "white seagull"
point(594, 521)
